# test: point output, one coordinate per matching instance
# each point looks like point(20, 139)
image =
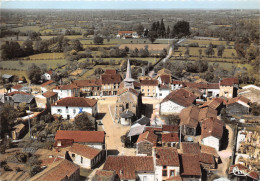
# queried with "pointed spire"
point(128, 77)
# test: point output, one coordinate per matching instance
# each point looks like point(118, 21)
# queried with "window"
point(148, 90)
point(164, 166)
point(142, 90)
point(73, 155)
point(81, 160)
point(172, 173)
point(145, 178)
point(160, 94)
point(59, 110)
point(74, 111)
point(164, 173)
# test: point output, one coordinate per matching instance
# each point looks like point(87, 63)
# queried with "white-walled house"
point(70, 107)
point(162, 91)
point(166, 163)
point(212, 132)
point(48, 86)
point(94, 139)
point(176, 84)
point(70, 90)
point(176, 101)
point(84, 156)
point(47, 76)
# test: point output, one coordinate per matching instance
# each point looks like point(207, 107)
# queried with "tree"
point(98, 40)
point(27, 47)
point(187, 52)
point(168, 31)
point(200, 52)
point(84, 121)
point(11, 50)
point(181, 28)
point(34, 36)
point(241, 45)
point(140, 30)
point(134, 53)
point(34, 73)
point(99, 71)
point(162, 29)
point(144, 52)
point(76, 45)
point(220, 49)
point(209, 50)
point(152, 35)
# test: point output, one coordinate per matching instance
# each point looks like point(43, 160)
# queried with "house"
point(239, 172)
point(95, 139)
point(207, 112)
point(131, 168)
point(7, 78)
point(23, 98)
point(62, 170)
point(48, 86)
point(216, 104)
point(167, 163)
point(207, 161)
point(228, 87)
point(129, 101)
point(47, 75)
point(70, 107)
point(146, 141)
point(18, 130)
point(189, 120)
point(127, 34)
point(238, 105)
point(176, 101)
point(89, 87)
point(176, 84)
point(162, 91)
point(189, 148)
point(170, 129)
point(51, 97)
point(211, 132)
point(67, 91)
point(16, 87)
point(84, 156)
point(142, 121)
point(210, 90)
point(105, 175)
point(110, 81)
point(148, 88)
point(190, 167)
point(170, 139)
point(165, 79)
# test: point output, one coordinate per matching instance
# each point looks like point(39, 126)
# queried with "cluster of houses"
point(163, 152)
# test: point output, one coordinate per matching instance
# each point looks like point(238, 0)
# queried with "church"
point(129, 100)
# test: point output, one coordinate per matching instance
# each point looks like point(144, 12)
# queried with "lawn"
point(25, 64)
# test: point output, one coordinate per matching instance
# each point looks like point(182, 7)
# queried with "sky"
point(130, 4)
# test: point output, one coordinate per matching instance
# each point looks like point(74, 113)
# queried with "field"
point(151, 47)
point(206, 42)
point(18, 73)
point(46, 56)
point(27, 28)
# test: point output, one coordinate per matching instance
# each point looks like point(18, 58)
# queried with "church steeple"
point(128, 81)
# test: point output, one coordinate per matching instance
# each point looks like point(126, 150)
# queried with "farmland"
point(151, 47)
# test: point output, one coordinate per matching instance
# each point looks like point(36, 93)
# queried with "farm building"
point(238, 105)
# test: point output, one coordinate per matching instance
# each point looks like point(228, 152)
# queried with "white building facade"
point(170, 107)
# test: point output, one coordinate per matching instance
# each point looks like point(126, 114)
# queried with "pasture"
point(151, 47)
point(46, 56)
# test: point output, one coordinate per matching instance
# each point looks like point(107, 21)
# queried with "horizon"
point(132, 5)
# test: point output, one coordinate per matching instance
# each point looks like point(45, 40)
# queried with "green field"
point(18, 73)
point(27, 28)
point(206, 42)
point(46, 56)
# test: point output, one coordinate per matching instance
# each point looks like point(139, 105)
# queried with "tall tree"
point(162, 29)
point(220, 49)
point(27, 47)
point(140, 30)
point(181, 28)
point(34, 73)
point(168, 31)
point(209, 50)
point(152, 35)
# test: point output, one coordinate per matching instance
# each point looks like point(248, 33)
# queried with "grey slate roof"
point(127, 114)
point(23, 98)
point(143, 121)
point(137, 130)
point(7, 76)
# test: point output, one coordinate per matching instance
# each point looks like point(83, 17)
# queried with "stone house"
point(237, 105)
point(146, 141)
point(51, 97)
point(70, 107)
point(110, 81)
point(190, 167)
point(89, 87)
point(17, 99)
point(131, 168)
point(176, 101)
point(67, 91)
point(167, 163)
point(94, 139)
point(62, 170)
point(211, 132)
point(207, 112)
point(176, 84)
point(127, 34)
point(47, 75)
point(84, 156)
point(207, 161)
point(228, 87)
point(148, 88)
point(210, 90)
point(48, 86)
point(216, 104)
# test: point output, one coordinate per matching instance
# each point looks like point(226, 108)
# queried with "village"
point(151, 128)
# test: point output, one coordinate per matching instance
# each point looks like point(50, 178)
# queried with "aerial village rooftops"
point(87, 83)
point(147, 136)
point(237, 99)
point(190, 148)
point(23, 98)
point(206, 158)
point(201, 85)
point(170, 128)
point(181, 97)
point(84, 150)
point(18, 92)
point(81, 136)
point(212, 127)
point(127, 166)
point(189, 116)
point(104, 175)
point(214, 103)
point(229, 81)
point(207, 112)
point(49, 94)
point(67, 87)
point(17, 86)
point(209, 150)
point(124, 90)
point(170, 137)
point(111, 77)
point(76, 102)
point(190, 165)
point(48, 83)
point(167, 156)
point(149, 82)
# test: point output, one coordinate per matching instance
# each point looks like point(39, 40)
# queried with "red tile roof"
point(49, 94)
point(190, 165)
point(207, 112)
point(189, 147)
point(111, 78)
point(212, 127)
point(67, 87)
point(126, 32)
point(81, 136)
point(147, 136)
point(253, 175)
point(177, 82)
point(202, 85)
point(84, 150)
point(124, 90)
point(175, 178)
point(170, 128)
point(87, 83)
point(17, 92)
point(206, 158)
point(189, 116)
point(170, 137)
point(76, 102)
point(17, 86)
point(127, 166)
point(167, 156)
point(229, 81)
point(110, 71)
point(57, 171)
point(236, 99)
point(165, 78)
point(149, 82)
point(104, 175)
point(209, 150)
point(181, 97)
point(49, 82)
point(214, 103)
point(239, 166)
point(51, 160)
point(152, 129)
